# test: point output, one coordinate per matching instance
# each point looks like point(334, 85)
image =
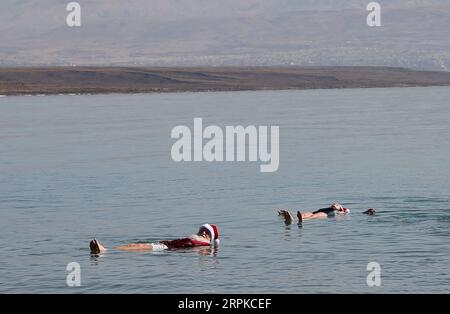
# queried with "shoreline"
point(46, 81)
point(216, 91)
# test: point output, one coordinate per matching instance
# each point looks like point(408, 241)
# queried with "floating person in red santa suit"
point(207, 235)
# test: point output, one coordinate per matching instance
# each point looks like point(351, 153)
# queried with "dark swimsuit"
point(329, 211)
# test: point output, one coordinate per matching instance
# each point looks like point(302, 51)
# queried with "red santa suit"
point(192, 242)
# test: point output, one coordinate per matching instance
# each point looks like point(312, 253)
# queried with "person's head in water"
point(336, 206)
point(370, 211)
point(339, 208)
point(210, 233)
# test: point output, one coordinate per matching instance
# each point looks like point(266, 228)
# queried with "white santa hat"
point(213, 233)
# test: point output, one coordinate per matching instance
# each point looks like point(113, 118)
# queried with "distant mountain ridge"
point(226, 33)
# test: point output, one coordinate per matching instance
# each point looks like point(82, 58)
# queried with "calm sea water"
point(77, 167)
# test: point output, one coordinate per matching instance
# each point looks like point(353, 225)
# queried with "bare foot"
point(288, 219)
point(96, 247)
point(299, 216)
